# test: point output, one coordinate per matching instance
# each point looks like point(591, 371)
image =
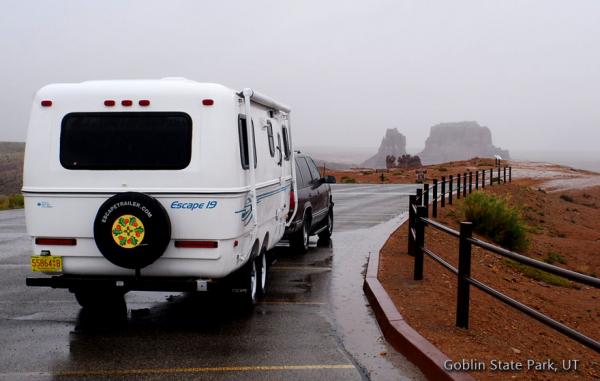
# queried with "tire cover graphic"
point(132, 230)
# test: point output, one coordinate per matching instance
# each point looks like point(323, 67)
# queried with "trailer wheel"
point(246, 284)
point(101, 300)
point(132, 230)
point(262, 268)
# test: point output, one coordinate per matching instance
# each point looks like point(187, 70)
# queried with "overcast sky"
point(529, 70)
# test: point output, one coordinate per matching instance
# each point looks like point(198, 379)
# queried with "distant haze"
point(528, 70)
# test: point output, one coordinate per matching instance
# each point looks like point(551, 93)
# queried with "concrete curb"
point(400, 335)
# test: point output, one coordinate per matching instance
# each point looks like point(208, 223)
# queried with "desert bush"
point(11, 202)
point(554, 257)
point(348, 180)
point(566, 198)
point(494, 218)
point(538, 275)
point(442, 169)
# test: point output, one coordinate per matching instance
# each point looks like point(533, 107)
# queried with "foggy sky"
point(529, 70)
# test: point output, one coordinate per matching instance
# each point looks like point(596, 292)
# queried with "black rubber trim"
point(128, 283)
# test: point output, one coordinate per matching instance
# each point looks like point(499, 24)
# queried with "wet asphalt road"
point(314, 323)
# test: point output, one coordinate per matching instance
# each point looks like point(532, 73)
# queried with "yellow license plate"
point(46, 264)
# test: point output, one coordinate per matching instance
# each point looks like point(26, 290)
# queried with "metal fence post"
point(491, 176)
point(470, 182)
point(464, 273)
point(505, 175)
point(498, 174)
point(411, 223)
point(483, 178)
point(450, 181)
point(443, 191)
point(464, 185)
point(426, 198)
point(435, 198)
point(419, 242)
point(477, 179)
point(419, 196)
point(510, 174)
point(458, 186)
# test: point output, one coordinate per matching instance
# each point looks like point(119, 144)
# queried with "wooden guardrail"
point(419, 219)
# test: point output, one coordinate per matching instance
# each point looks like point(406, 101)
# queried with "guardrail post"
point(464, 273)
point(470, 182)
point(426, 198)
point(419, 242)
point(464, 185)
point(483, 178)
point(419, 199)
point(450, 181)
point(505, 175)
point(411, 223)
point(443, 191)
point(491, 176)
point(435, 198)
point(510, 174)
point(458, 186)
point(498, 174)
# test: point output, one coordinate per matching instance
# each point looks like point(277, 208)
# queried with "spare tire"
point(132, 230)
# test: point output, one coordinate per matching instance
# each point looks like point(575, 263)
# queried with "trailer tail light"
point(208, 102)
point(56, 241)
point(109, 103)
point(197, 244)
point(126, 102)
point(144, 102)
point(46, 103)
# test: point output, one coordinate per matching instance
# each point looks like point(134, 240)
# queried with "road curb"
point(406, 340)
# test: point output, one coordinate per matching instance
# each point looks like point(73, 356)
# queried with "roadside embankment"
point(563, 229)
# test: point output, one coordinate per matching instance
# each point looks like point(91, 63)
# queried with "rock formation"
point(393, 143)
point(459, 141)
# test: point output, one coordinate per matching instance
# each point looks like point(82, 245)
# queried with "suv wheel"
point(300, 240)
point(328, 231)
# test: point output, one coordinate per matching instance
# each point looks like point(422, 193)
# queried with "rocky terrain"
point(11, 167)
point(393, 143)
point(459, 141)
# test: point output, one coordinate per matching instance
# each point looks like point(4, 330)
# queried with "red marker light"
point(126, 102)
point(208, 102)
point(109, 103)
point(144, 102)
point(56, 241)
point(46, 103)
point(197, 244)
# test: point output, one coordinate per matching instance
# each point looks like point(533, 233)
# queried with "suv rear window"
point(126, 140)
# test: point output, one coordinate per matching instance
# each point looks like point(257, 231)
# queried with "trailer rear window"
point(126, 140)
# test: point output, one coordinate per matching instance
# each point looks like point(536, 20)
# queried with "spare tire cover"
point(132, 230)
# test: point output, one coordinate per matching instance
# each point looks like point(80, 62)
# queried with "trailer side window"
point(270, 138)
point(126, 141)
point(243, 134)
point(286, 143)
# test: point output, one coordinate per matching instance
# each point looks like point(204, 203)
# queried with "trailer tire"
point(132, 230)
point(262, 276)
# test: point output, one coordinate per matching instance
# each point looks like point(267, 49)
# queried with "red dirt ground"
point(565, 223)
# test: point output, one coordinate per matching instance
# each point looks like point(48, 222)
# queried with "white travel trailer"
point(155, 185)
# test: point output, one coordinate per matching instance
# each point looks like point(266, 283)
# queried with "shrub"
point(348, 180)
point(4, 202)
point(566, 198)
point(442, 169)
point(538, 275)
point(16, 201)
point(554, 257)
point(494, 218)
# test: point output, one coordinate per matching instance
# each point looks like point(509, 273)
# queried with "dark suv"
point(315, 205)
